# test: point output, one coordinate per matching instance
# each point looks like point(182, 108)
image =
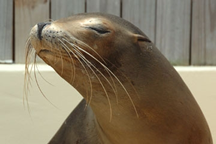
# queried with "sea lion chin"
point(131, 92)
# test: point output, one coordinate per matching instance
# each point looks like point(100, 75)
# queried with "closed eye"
point(99, 30)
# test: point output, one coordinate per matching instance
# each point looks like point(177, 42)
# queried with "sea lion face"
point(96, 54)
point(83, 45)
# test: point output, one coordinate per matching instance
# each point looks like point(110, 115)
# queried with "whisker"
point(62, 63)
point(105, 91)
point(89, 66)
point(116, 79)
point(37, 83)
point(38, 71)
point(85, 45)
point(65, 46)
point(73, 45)
point(27, 77)
point(56, 60)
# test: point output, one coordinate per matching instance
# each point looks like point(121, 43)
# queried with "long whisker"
point(73, 45)
point(62, 63)
point(37, 83)
point(115, 78)
point(89, 66)
point(112, 85)
point(78, 48)
point(57, 60)
point(66, 49)
point(85, 45)
point(27, 75)
point(72, 61)
point(105, 91)
point(38, 71)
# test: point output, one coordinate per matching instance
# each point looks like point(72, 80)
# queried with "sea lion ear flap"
point(141, 38)
point(143, 42)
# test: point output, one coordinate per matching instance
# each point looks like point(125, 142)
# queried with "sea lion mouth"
point(44, 51)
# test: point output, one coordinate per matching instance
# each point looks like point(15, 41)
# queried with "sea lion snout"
point(40, 27)
point(44, 36)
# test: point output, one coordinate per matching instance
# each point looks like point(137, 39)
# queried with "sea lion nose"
point(40, 28)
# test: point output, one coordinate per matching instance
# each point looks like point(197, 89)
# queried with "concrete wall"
point(17, 126)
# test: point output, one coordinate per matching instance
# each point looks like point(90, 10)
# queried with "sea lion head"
point(88, 50)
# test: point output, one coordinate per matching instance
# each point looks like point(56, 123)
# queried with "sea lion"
point(133, 95)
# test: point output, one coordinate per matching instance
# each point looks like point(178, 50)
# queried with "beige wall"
point(17, 126)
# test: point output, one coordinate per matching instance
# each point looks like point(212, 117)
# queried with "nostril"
point(40, 28)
